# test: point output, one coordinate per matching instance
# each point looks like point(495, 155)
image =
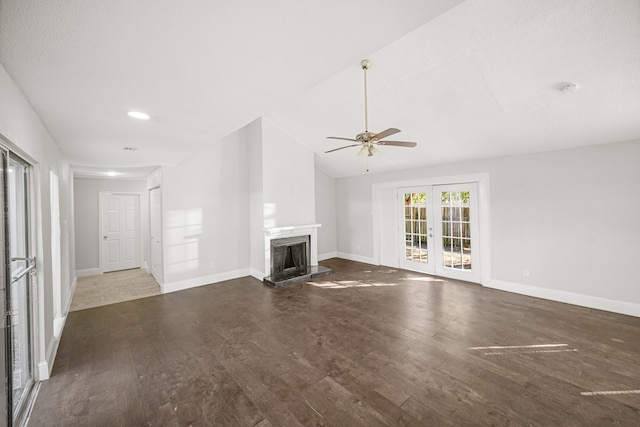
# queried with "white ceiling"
point(472, 80)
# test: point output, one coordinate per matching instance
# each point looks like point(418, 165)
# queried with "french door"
point(439, 230)
point(16, 295)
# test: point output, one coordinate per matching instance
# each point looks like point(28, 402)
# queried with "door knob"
point(104, 237)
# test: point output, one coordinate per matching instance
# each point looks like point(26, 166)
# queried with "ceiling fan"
point(368, 140)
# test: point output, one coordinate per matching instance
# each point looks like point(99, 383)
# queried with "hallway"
point(112, 288)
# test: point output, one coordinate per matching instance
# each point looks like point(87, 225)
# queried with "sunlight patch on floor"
point(344, 284)
point(423, 279)
point(497, 350)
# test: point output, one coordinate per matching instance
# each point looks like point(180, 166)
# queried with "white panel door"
point(120, 231)
point(155, 225)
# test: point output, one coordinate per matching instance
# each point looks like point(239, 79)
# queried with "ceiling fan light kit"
point(368, 140)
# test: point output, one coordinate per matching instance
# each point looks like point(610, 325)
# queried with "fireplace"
point(291, 255)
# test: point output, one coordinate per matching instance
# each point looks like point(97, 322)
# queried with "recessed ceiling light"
point(138, 115)
point(112, 173)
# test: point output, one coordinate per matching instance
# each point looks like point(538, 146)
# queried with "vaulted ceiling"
point(466, 80)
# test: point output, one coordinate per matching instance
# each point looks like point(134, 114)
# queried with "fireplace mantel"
point(291, 230)
point(271, 233)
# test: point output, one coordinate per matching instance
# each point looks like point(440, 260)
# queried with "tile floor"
point(114, 287)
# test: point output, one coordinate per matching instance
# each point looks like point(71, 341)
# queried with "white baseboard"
point(357, 258)
point(203, 280)
point(45, 366)
point(257, 274)
point(327, 255)
point(72, 291)
point(88, 272)
point(43, 370)
point(598, 303)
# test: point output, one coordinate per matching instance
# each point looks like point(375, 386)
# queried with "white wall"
point(325, 201)
point(256, 199)
point(566, 216)
point(20, 125)
point(206, 215)
point(87, 226)
point(288, 179)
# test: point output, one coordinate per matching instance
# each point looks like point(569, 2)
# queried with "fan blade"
point(385, 133)
point(398, 143)
point(346, 146)
point(341, 138)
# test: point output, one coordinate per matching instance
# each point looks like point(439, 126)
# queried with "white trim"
point(43, 370)
point(45, 366)
point(203, 280)
point(357, 258)
point(589, 301)
point(88, 272)
point(257, 274)
point(72, 291)
point(327, 255)
point(293, 229)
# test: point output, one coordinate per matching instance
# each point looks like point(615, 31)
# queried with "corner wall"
point(205, 213)
point(325, 201)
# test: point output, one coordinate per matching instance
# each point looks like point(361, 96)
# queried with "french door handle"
point(31, 268)
point(31, 259)
point(23, 273)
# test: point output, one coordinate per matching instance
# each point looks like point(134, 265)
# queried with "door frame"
point(385, 247)
point(36, 282)
point(160, 274)
point(101, 195)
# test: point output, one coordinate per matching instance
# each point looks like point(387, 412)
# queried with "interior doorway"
point(120, 247)
point(18, 295)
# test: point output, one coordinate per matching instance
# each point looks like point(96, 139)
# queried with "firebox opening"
point(289, 255)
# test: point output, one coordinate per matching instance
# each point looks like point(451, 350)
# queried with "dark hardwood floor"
point(365, 346)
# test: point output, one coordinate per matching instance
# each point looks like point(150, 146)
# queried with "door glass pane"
point(456, 230)
point(415, 227)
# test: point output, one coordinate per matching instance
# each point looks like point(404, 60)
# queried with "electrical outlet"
point(525, 272)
